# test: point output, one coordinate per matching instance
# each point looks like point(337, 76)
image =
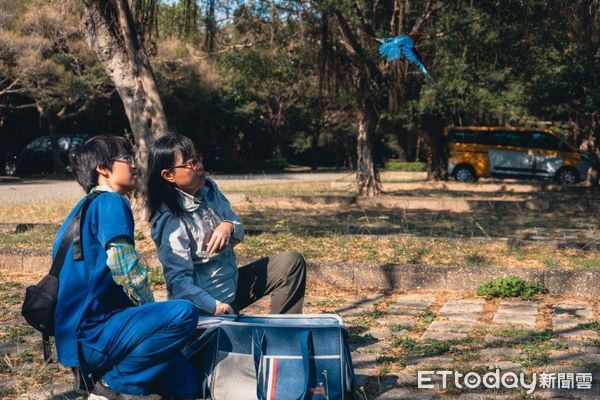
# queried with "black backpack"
point(40, 299)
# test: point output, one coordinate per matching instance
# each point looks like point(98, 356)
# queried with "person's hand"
point(219, 238)
point(223, 308)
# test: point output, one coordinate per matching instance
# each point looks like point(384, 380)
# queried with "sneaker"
point(103, 392)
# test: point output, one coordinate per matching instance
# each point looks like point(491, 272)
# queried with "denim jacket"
point(190, 273)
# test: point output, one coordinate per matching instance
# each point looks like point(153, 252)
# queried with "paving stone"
point(518, 307)
point(490, 338)
point(453, 326)
point(515, 319)
point(11, 348)
point(577, 344)
point(580, 334)
point(364, 361)
point(405, 311)
point(416, 298)
point(61, 391)
point(408, 394)
point(397, 320)
point(453, 307)
point(574, 309)
point(566, 356)
point(406, 379)
point(373, 348)
point(483, 396)
point(458, 316)
point(498, 353)
point(430, 361)
point(380, 332)
point(433, 335)
point(503, 365)
point(566, 394)
point(565, 323)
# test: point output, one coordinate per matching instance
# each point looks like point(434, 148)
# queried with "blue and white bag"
point(268, 357)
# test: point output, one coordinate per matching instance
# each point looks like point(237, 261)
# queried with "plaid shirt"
point(123, 260)
point(124, 263)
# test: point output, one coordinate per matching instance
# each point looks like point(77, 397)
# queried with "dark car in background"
point(36, 157)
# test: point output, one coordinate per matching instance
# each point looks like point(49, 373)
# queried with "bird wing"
point(391, 47)
point(389, 51)
point(412, 56)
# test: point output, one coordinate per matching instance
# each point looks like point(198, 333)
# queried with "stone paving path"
point(395, 335)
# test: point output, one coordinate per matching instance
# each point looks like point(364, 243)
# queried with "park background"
point(324, 148)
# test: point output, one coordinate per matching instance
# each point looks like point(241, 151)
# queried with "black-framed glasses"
point(126, 158)
point(191, 164)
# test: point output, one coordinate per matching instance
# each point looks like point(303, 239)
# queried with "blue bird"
point(394, 47)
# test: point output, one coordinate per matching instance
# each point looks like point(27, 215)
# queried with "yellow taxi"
point(481, 152)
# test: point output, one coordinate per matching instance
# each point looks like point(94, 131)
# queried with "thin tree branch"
point(428, 12)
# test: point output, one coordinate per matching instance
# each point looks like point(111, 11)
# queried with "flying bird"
point(397, 46)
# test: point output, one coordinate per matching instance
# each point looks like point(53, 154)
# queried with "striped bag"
point(269, 357)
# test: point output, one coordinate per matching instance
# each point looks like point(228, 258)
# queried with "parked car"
point(477, 152)
point(36, 157)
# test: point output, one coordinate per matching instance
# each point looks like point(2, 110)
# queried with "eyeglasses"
point(191, 164)
point(125, 158)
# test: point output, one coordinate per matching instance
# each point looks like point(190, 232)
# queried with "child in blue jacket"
point(106, 320)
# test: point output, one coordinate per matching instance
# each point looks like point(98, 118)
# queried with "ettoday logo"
point(496, 379)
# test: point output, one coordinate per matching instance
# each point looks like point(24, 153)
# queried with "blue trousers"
point(138, 350)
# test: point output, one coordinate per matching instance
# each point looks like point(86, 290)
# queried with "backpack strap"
point(73, 235)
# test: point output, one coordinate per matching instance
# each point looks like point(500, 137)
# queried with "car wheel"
point(566, 176)
point(10, 168)
point(464, 173)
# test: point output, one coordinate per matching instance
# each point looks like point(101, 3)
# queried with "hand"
point(219, 238)
point(223, 308)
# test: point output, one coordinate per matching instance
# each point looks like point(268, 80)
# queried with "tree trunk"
point(110, 32)
point(437, 157)
point(51, 120)
point(314, 148)
point(368, 182)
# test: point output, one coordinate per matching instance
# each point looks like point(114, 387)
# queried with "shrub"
point(275, 164)
point(511, 286)
point(405, 166)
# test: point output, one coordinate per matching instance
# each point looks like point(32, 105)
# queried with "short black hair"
point(98, 151)
point(162, 156)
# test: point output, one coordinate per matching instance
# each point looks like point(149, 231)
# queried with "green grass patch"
point(37, 238)
point(590, 325)
point(394, 165)
point(16, 334)
point(511, 286)
point(427, 348)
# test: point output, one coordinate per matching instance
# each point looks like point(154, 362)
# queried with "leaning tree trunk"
point(110, 32)
point(437, 157)
point(368, 182)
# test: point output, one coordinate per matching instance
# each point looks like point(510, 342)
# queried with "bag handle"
point(260, 348)
point(73, 234)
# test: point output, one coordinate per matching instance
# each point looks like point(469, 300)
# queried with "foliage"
point(511, 286)
point(405, 166)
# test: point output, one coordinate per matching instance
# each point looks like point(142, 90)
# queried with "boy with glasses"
point(106, 320)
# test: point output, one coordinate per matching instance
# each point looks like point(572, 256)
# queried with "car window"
point(40, 144)
point(63, 143)
point(463, 136)
point(541, 140)
point(563, 146)
point(77, 141)
point(504, 138)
